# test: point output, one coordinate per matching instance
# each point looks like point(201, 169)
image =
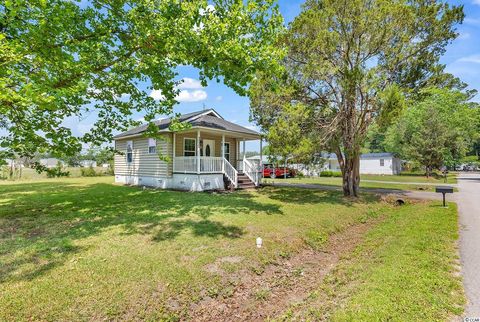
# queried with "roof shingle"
point(204, 120)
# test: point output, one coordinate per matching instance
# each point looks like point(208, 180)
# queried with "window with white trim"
point(382, 162)
point(189, 147)
point(152, 146)
point(227, 151)
point(129, 151)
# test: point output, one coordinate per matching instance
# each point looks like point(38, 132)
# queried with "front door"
point(208, 148)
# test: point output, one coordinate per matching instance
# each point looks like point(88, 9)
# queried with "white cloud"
point(470, 59)
point(209, 9)
point(192, 96)
point(218, 98)
point(477, 2)
point(198, 27)
point(156, 94)
point(190, 83)
point(190, 91)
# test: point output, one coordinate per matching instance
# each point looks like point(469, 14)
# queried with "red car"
point(270, 171)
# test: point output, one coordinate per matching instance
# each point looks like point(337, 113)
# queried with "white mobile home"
point(204, 157)
point(51, 162)
point(371, 163)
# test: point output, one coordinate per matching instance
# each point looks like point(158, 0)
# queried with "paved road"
point(468, 200)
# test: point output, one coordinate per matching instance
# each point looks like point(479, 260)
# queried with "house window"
point(129, 151)
point(189, 147)
point(382, 162)
point(227, 151)
point(152, 146)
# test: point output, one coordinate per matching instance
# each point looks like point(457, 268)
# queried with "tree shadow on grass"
point(298, 195)
point(39, 222)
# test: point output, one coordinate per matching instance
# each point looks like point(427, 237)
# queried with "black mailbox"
point(443, 190)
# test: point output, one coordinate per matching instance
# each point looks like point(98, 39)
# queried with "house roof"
point(207, 118)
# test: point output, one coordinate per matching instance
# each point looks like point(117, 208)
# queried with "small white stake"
point(259, 242)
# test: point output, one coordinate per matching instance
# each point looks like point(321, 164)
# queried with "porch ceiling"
point(229, 134)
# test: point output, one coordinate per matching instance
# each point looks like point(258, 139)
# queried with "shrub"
point(328, 173)
point(56, 172)
point(4, 172)
point(109, 171)
point(89, 172)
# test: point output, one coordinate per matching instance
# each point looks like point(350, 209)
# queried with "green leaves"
point(352, 64)
point(60, 60)
point(437, 130)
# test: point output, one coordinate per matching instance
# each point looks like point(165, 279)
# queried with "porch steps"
point(244, 182)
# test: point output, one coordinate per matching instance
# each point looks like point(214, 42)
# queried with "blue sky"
point(462, 59)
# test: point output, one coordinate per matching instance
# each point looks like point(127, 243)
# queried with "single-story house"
point(207, 156)
point(370, 163)
point(88, 163)
point(50, 162)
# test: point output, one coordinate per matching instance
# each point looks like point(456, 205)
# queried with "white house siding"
point(148, 170)
point(143, 163)
point(372, 166)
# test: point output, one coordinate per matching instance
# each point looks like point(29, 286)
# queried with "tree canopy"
point(352, 63)
point(437, 130)
point(60, 59)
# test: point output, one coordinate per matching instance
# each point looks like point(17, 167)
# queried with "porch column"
point(261, 158)
point(173, 152)
point(223, 152)
point(243, 148)
point(198, 151)
point(237, 151)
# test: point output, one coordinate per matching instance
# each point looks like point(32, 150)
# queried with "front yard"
point(83, 248)
point(410, 182)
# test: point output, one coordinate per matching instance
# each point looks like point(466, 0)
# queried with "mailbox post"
point(444, 190)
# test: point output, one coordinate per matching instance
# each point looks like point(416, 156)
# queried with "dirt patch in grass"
point(266, 292)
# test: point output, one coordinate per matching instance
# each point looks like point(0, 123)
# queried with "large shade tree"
point(63, 59)
point(352, 63)
point(436, 130)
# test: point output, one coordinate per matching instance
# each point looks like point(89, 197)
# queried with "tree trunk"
point(351, 177)
point(350, 166)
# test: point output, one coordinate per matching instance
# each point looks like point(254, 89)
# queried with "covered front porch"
point(210, 151)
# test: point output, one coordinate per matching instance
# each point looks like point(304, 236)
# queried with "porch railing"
point(251, 170)
point(231, 173)
point(207, 165)
point(190, 165)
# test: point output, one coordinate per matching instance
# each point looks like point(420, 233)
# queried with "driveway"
point(468, 200)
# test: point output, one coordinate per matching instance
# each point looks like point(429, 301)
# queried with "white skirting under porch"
point(178, 181)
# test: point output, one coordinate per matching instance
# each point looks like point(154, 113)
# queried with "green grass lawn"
point(412, 177)
point(400, 182)
point(84, 248)
point(28, 174)
point(401, 272)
